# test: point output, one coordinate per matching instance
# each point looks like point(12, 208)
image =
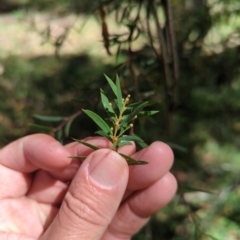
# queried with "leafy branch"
point(64, 124)
point(120, 115)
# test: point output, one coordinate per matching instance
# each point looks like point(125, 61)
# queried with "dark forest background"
point(185, 53)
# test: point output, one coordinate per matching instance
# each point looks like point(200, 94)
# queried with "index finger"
point(37, 151)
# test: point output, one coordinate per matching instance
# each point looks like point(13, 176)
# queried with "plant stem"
point(117, 123)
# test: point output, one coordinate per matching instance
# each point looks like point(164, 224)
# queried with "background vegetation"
point(182, 52)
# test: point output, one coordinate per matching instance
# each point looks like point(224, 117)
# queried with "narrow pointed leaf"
point(134, 138)
point(134, 113)
point(147, 113)
point(124, 143)
point(87, 144)
point(124, 128)
point(138, 109)
point(119, 93)
point(105, 102)
point(124, 117)
point(41, 127)
point(48, 118)
point(111, 84)
point(79, 157)
point(102, 133)
point(98, 120)
point(125, 122)
point(68, 126)
point(134, 105)
point(132, 161)
point(139, 162)
point(59, 134)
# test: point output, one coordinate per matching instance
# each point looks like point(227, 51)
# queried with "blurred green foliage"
point(200, 89)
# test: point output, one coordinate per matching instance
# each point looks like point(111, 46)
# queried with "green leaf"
point(134, 113)
point(68, 126)
point(102, 133)
point(124, 143)
point(79, 157)
point(137, 110)
point(87, 144)
point(59, 134)
point(112, 85)
point(139, 162)
point(124, 117)
point(134, 138)
point(106, 103)
point(125, 120)
point(119, 94)
point(147, 113)
point(98, 120)
point(48, 118)
point(123, 129)
point(41, 127)
point(134, 105)
point(132, 161)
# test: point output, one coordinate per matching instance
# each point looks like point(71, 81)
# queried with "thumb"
point(92, 199)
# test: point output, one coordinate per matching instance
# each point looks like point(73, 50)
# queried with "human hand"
point(46, 195)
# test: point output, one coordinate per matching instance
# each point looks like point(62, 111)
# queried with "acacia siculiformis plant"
point(120, 115)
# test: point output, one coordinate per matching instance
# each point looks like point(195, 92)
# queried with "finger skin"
point(90, 205)
point(20, 158)
point(47, 189)
point(39, 151)
point(141, 197)
point(33, 152)
point(14, 236)
point(145, 180)
point(23, 216)
point(50, 187)
point(135, 211)
point(8, 180)
point(160, 159)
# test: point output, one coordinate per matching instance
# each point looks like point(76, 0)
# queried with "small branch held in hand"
point(120, 114)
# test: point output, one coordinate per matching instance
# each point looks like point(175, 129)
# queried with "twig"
point(166, 62)
point(172, 45)
point(64, 121)
point(105, 33)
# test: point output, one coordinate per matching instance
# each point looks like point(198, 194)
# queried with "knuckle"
point(83, 206)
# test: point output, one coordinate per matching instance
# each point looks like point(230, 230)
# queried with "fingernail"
point(106, 167)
